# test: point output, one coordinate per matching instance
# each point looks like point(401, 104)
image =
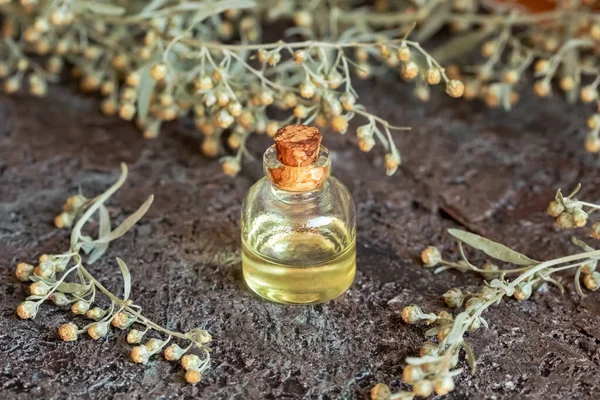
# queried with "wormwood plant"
point(434, 369)
point(155, 61)
point(64, 280)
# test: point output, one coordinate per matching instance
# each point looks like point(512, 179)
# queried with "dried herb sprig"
point(161, 60)
point(434, 369)
point(51, 282)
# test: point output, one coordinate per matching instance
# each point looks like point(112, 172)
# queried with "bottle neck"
point(295, 197)
point(297, 179)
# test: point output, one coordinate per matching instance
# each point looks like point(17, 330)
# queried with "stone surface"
point(463, 166)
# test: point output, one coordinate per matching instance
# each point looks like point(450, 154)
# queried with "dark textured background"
point(464, 165)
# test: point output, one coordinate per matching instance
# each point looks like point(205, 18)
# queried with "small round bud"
point(411, 314)
point(334, 79)
point(363, 71)
point(98, 330)
point(595, 32)
point(403, 53)
point(303, 19)
point(63, 220)
point(339, 124)
point(274, 59)
point(381, 392)
point(307, 89)
point(223, 119)
point(210, 147)
point(108, 106)
point(59, 299)
point(593, 121)
point(489, 48)
point(95, 313)
point(366, 144)
point(589, 267)
point(588, 94)
point(567, 83)
point(135, 336)
point(455, 88)
point(565, 221)
point(454, 298)
point(12, 85)
point(443, 385)
point(347, 100)
point(361, 54)
point(299, 56)
point(204, 83)
point(40, 288)
point(272, 128)
point(410, 70)
point(266, 97)
point(595, 231)
point(542, 66)
point(579, 217)
point(542, 88)
point(443, 332)
point(300, 111)
point(511, 77)
point(433, 75)
point(423, 388)
point(44, 270)
point(153, 345)
point(190, 361)
point(127, 111)
point(173, 352)
point(231, 166)
point(522, 291)
point(385, 52)
point(555, 208)
point(392, 161)
point(27, 310)
point(592, 143)
point(80, 307)
point(412, 373)
point(122, 320)
point(491, 271)
point(592, 281)
point(68, 332)
point(24, 271)
point(192, 376)
point(140, 354)
point(261, 55)
point(431, 256)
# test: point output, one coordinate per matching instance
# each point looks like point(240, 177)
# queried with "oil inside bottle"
point(299, 267)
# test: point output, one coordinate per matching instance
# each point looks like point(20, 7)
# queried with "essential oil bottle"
point(298, 224)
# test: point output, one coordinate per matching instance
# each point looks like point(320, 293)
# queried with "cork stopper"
point(298, 145)
point(301, 163)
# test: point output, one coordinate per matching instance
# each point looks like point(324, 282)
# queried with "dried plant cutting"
point(64, 280)
point(434, 369)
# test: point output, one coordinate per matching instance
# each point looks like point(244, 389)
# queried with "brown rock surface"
point(464, 165)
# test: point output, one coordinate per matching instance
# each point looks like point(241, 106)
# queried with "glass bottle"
point(298, 225)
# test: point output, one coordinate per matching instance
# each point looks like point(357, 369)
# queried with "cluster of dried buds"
point(158, 61)
point(49, 283)
point(434, 369)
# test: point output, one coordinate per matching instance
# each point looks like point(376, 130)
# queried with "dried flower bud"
point(412, 314)
point(428, 349)
point(454, 298)
point(261, 55)
point(443, 385)
point(190, 361)
point(589, 267)
point(122, 320)
point(209, 99)
point(593, 121)
point(299, 56)
point(153, 345)
point(24, 271)
point(433, 75)
point(44, 270)
point(588, 94)
point(392, 161)
point(381, 392)
point(511, 77)
point(412, 373)
point(12, 85)
point(423, 388)
point(542, 88)
point(592, 281)
point(410, 70)
point(266, 97)
point(63, 220)
point(274, 59)
point(555, 208)
point(95, 313)
point(347, 100)
point(565, 221)
point(491, 271)
point(522, 291)
point(385, 52)
point(366, 144)
point(40, 288)
point(108, 106)
point(59, 299)
point(98, 330)
point(567, 83)
point(135, 336)
point(80, 307)
point(431, 256)
point(307, 89)
point(272, 128)
point(595, 231)
point(592, 143)
point(361, 54)
point(363, 71)
point(455, 88)
point(204, 83)
point(127, 111)
point(579, 217)
point(27, 310)
point(231, 166)
point(542, 66)
point(303, 19)
point(68, 332)
point(210, 147)
point(300, 111)
point(403, 53)
point(192, 376)
point(140, 354)
point(223, 119)
point(173, 352)
point(595, 32)
point(489, 48)
point(61, 17)
point(339, 124)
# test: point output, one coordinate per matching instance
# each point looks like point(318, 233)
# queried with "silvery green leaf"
point(72, 287)
point(491, 248)
point(101, 8)
point(470, 356)
point(145, 93)
point(457, 331)
point(432, 331)
point(206, 10)
point(126, 279)
point(103, 230)
point(433, 23)
point(422, 360)
point(459, 46)
point(128, 223)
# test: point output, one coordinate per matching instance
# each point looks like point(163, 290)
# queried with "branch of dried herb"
point(64, 280)
point(434, 369)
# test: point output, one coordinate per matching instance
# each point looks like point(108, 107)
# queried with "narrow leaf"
point(72, 287)
point(145, 93)
point(458, 47)
point(102, 8)
point(128, 223)
point(433, 23)
point(470, 356)
point(103, 230)
point(126, 279)
point(206, 10)
point(491, 248)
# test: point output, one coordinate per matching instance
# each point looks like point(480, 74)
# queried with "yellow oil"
point(300, 267)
